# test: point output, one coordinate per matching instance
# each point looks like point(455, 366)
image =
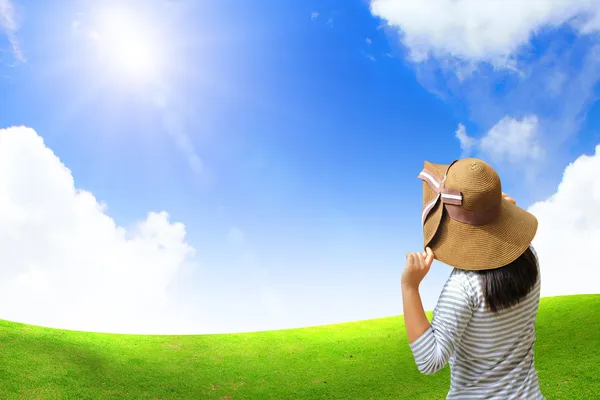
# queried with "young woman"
point(484, 322)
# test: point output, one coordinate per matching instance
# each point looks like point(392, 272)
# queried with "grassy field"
point(361, 360)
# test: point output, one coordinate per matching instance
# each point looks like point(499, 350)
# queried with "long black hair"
point(506, 286)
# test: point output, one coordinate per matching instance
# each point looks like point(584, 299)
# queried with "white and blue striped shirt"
point(490, 355)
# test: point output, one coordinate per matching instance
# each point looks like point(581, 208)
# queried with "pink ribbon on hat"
point(448, 196)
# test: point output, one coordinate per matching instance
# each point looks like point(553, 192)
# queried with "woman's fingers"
point(419, 258)
point(423, 260)
point(429, 257)
point(508, 198)
point(417, 266)
point(415, 260)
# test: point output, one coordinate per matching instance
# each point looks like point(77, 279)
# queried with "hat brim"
point(483, 247)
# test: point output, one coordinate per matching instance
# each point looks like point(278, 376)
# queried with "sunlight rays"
point(128, 45)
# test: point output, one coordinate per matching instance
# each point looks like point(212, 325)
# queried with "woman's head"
point(467, 222)
point(504, 287)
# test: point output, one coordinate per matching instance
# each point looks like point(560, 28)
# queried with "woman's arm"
point(415, 320)
point(414, 315)
point(433, 344)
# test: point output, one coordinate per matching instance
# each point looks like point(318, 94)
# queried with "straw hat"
point(466, 221)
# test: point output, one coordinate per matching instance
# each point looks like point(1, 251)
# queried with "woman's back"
point(490, 353)
point(494, 357)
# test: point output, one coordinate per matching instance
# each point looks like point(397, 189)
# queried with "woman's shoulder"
point(463, 275)
point(468, 282)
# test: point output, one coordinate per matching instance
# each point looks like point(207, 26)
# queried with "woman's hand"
point(417, 266)
point(508, 198)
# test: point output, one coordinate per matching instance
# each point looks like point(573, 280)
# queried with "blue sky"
point(285, 136)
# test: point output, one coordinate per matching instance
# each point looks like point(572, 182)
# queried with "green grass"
point(360, 360)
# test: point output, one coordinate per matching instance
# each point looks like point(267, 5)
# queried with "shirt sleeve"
point(454, 309)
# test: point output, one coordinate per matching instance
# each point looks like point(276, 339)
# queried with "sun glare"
point(127, 45)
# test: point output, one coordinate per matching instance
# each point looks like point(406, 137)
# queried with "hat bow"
point(453, 200)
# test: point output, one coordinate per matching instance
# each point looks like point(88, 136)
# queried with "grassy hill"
point(361, 360)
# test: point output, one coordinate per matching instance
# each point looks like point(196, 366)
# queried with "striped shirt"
point(490, 355)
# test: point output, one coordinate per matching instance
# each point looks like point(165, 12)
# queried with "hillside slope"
point(360, 360)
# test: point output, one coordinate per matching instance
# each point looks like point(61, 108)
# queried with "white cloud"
point(569, 231)
point(314, 15)
point(9, 25)
point(480, 31)
point(368, 41)
point(511, 140)
point(479, 55)
point(467, 143)
point(65, 263)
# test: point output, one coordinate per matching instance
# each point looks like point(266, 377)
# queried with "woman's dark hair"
point(504, 287)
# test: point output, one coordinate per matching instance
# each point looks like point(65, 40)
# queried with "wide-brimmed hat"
point(466, 221)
